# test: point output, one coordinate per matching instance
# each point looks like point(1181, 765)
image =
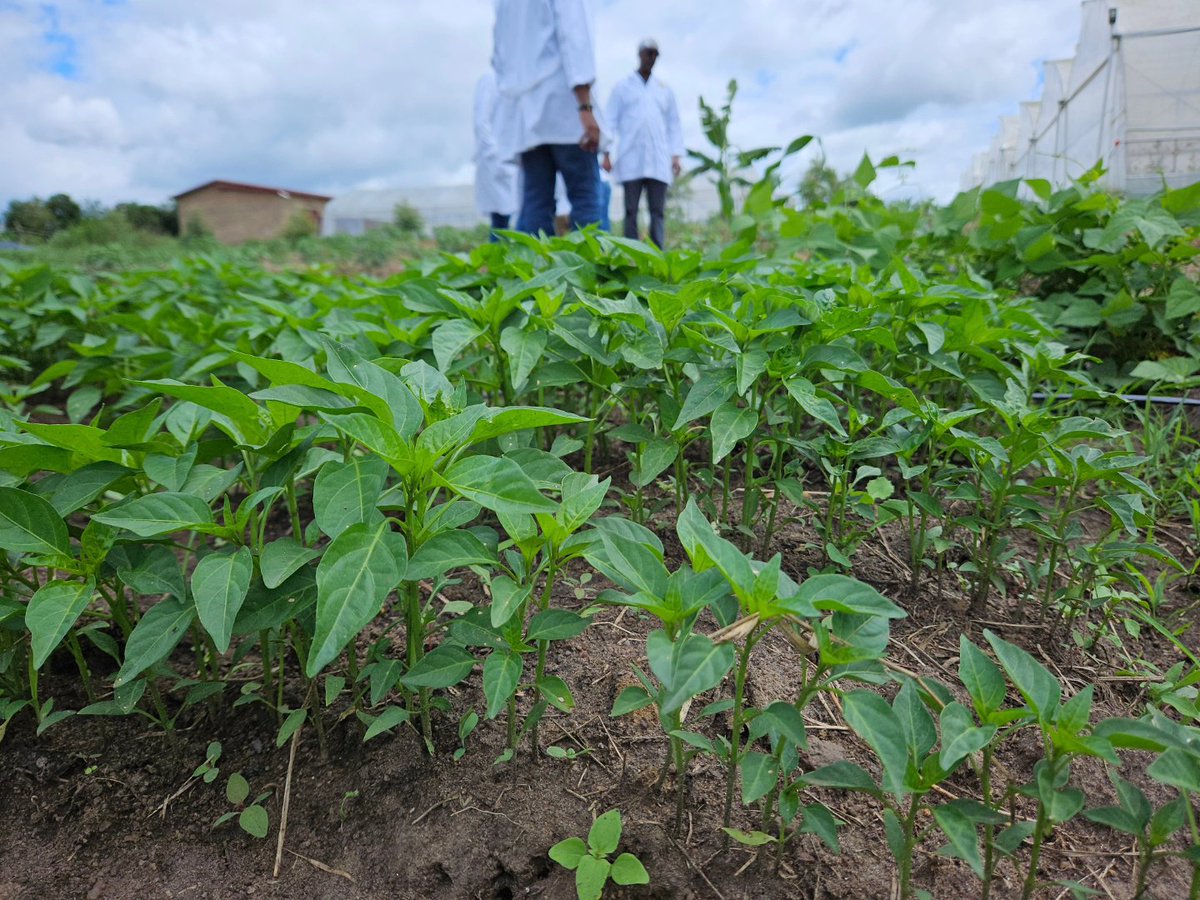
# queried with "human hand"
point(591, 131)
point(606, 163)
point(676, 166)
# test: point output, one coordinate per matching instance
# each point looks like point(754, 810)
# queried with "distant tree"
point(29, 218)
point(66, 212)
point(155, 219)
point(820, 184)
point(407, 219)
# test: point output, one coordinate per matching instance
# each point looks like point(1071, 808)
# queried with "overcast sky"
point(115, 100)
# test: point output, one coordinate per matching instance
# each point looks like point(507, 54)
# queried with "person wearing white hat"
point(545, 63)
point(649, 141)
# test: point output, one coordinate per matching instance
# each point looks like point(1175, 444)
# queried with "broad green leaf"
point(651, 460)
point(582, 495)
point(710, 391)
point(79, 488)
point(1177, 768)
point(843, 775)
point(385, 722)
point(980, 677)
point(819, 820)
point(154, 637)
point(346, 494)
point(149, 569)
point(442, 667)
point(154, 515)
point(237, 789)
point(501, 675)
point(568, 853)
point(783, 719)
point(760, 773)
point(556, 692)
point(628, 869)
point(1116, 818)
point(916, 724)
point(507, 597)
point(499, 422)
point(236, 414)
point(960, 831)
point(875, 722)
point(450, 338)
point(749, 838)
point(631, 699)
point(605, 833)
point(556, 625)
point(219, 585)
point(30, 524)
point(1038, 687)
point(731, 424)
point(839, 593)
point(447, 551)
point(524, 347)
point(355, 575)
point(496, 483)
point(281, 558)
point(590, 877)
point(819, 408)
point(375, 434)
point(254, 821)
point(960, 736)
point(698, 665)
point(52, 610)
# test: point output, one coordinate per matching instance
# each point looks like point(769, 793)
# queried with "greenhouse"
point(1129, 98)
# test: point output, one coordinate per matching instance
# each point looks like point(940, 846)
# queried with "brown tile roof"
point(251, 188)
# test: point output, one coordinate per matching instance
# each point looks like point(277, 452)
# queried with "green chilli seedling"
point(590, 861)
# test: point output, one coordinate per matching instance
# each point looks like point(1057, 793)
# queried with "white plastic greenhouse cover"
point(1130, 98)
point(358, 212)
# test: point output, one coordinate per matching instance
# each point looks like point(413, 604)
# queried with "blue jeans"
point(581, 174)
point(499, 222)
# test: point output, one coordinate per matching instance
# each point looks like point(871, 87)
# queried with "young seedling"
point(590, 861)
point(252, 817)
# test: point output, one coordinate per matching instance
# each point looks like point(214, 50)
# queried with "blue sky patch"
point(62, 56)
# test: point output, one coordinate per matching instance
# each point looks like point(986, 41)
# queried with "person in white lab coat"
point(495, 176)
point(649, 138)
point(545, 64)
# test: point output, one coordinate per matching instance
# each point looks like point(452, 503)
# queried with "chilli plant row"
point(322, 495)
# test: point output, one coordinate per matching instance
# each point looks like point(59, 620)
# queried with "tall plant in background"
point(729, 164)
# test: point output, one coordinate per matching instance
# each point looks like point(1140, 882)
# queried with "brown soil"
point(102, 808)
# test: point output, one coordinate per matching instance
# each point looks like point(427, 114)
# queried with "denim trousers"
point(581, 174)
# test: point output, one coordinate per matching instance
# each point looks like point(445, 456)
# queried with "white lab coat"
point(541, 50)
point(646, 126)
point(495, 176)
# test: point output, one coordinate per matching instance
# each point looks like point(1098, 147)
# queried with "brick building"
point(235, 212)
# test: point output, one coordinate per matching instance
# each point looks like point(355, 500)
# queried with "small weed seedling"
point(251, 817)
point(590, 861)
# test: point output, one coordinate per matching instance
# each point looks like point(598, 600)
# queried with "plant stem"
point(735, 738)
point(989, 830)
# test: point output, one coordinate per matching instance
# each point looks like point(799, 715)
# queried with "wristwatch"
point(585, 107)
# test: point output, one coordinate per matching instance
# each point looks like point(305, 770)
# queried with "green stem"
point(1035, 852)
point(735, 738)
point(81, 664)
point(33, 685)
point(989, 830)
point(543, 646)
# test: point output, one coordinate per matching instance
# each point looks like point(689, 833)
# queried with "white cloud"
point(329, 97)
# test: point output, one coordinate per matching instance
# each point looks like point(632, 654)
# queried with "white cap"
point(648, 44)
